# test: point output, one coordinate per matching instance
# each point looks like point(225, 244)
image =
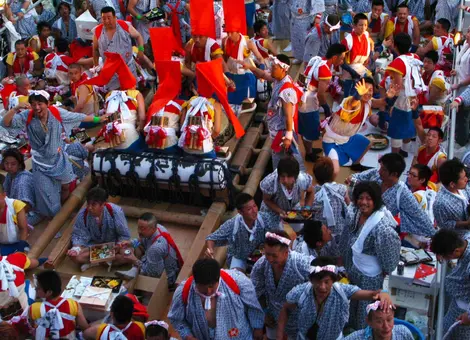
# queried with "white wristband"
point(289, 134)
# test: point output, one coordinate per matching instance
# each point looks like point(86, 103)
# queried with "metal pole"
point(450, 153)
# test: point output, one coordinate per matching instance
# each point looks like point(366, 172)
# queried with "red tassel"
point(187, 139)
point(161, 136)
point(200, 137)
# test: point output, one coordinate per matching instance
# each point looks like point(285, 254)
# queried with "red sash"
point(229, 281)
point(54, 111)
point(175, 23)
point(121, 23)
point(171, 244)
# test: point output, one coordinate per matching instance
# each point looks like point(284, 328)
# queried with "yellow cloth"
point(390, 27)
point(132, 94)
point(36, 309)
point(439, 83)
point(11, 57)
point(18, 205)
point(210, 109)
point(103, 326)
point(349, 110)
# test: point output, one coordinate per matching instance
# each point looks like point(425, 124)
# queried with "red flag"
point(202, 18)
point(169, 74)
point(234, 16)
point(210, 80)
point(164, 43)
point(175, 24)
point(113, 64)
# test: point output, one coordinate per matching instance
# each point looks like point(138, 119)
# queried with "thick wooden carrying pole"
point(73, 202)
point(165, 216)
point(257, 172)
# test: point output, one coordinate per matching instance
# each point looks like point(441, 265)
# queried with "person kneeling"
point(100, 222)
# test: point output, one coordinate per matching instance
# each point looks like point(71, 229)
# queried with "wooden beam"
point(257, 172)
point(164, 216)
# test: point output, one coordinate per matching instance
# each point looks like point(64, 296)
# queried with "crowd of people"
point(381, 63)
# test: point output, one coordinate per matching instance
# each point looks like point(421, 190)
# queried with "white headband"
point(40, 93)
point(374, 306)
point(280, 63)
point(158, 323)
point(317, 269)
point(333, 28)
point(281, 239)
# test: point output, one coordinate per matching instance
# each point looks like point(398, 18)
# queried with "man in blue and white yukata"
point(216, 304)
point(448, 246)
point(243, 233)
point(381, 325)
point(274, 275)
point(46, 127)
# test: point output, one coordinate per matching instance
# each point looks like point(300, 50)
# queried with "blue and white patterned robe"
point(338, 205)
point(159, 256)
point(181, 9)
point(51, 167)
point(382, 242)
point(69, 34)
point(449, 209)
point(447, 9)
point(457, 286)
point(242, 312)
point(335, 312)
point(296, 271)
point(302, 247)
point(239, 244)
point(316, 45)
point(78, 153)
point(113, 229)
point(399, 332)
point(26, 27)
point(281, 19)
point(413, 219)
point(46, 16)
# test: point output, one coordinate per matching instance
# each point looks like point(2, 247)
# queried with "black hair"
point(283, 58)
point(288, 166)
point(20, 42)
point(403, 5)
point(242, 199)
point(63, 3)
point(444, 23)
point(206, 271)
point(371, 188)
point(394, 163)
point(275, 242)
point(16, 154)
point(156, 330)
point(378, 3)
point(312, 233)
point(37, 98)
point(332, 19)
point(433, 56)
point(450, 171)
point(335, 50)
point(445, 241)
point(148, 217)
point(122, 309)
point(49, 280)
point(42, 24)
point(258, 25)
point(323, 170)
point(322, 261)
point(402, 42)
point(439, 131)
point(369, 80)
point(97, 194)
point(108, 9)
point(358, 17)
point(423, 172)
point(62, 45)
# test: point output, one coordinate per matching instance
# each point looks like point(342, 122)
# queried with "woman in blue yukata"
point(323, 303)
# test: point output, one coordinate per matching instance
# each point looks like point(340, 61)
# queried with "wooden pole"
point(257, 172)
point(76, 198)
point(164, 216)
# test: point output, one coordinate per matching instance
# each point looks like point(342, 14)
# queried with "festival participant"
point(116, 36)
point(282, 106)
point(95, 7)
point(84, 96)
point(396, 196)
point(43, 14)
point(176, 11)
point(381, 325)
point(99, 222)
point(405, 74)
point(378, 20)
point(243, 233)
point(370, 244)
point(449, 246)
point(274, 275)
point(157, 330)
point(313, 240)
point(137, 8)
point(64, 27)
point(121, 326)
point(22, 62)
point(156, 252)
point(43, 43)
point(448, 10)
point(54, 317)
point(261, 39)
point(435, 80)
point(21, 93)
point(78, 155)
point(56, 64)
point(216, 304)
point(301, 18)
point(331, 198)
point(403, 22)
point(359, 47)
point(24, 21)
point(318, 74)
point(52, 170)
point(451, 205)
point(321, 37)
point(323, 303)
point(13, 224)
point(281, 23)
point(286, 188)
point(431, 153)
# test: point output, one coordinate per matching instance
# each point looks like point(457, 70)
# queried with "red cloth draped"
point(234, 16)
point(175, 23)
point(202, 18)
point(164, 43)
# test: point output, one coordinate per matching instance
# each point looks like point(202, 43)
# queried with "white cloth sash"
point(111, 332)
point(8, 276)
point(432, 164)
point(57, 61)
point(116, 102)
point(322, 195)
point(413, 80)
point(239, 220)
point(198, 105)
point(10, 230)
point(52, 320)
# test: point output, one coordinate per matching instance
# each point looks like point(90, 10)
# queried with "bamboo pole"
point(165, 216)
point(54, 226)
point(257, 172)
